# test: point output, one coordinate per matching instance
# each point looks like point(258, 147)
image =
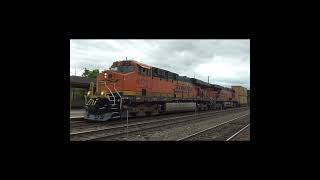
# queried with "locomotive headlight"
point(105, 75)
point(88, 93)
point(101, 93)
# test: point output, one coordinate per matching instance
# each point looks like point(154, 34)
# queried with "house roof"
point(82, 81)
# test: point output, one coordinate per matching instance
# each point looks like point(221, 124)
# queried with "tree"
point(91, 74)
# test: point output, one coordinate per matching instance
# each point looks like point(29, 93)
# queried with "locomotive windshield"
point(123, 69)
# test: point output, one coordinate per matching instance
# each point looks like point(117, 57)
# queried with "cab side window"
point(142, 71)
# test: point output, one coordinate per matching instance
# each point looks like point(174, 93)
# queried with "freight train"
point(136, 89)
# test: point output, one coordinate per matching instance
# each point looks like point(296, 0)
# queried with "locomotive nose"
point(108, 74)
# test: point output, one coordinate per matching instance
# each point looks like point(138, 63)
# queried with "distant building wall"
point(79, 87)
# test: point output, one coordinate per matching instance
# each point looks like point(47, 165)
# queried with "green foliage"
point(91, 74)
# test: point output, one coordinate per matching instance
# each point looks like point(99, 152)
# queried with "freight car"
point(142, 90)
point(240, 95)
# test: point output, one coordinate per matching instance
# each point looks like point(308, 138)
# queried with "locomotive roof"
point(181, 78)
point(141, 64)
point(136, 62)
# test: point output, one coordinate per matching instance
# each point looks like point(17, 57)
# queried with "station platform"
point(77, 113)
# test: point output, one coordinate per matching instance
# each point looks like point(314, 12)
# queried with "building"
point(79, 87)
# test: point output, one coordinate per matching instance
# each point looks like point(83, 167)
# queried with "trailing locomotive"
point(143, 90)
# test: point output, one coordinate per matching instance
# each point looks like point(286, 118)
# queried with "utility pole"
point(127, 124)
point(208, 79)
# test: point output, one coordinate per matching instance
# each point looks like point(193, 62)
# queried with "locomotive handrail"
point(88, 102)
point(114, 99)
point(91, 102)
point(114, 87)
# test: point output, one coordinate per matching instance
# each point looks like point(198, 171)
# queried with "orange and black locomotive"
point(143, 90)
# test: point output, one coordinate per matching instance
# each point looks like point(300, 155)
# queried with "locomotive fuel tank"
point(173, 107)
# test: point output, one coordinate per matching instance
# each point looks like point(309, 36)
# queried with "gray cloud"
point(226, 61)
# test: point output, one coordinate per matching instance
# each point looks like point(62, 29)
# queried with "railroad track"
point(222, 132)
point(242, 135)
point(117, 130)
point(76, 118)
point(237, 133)
point(83, 124)
point(78, 124)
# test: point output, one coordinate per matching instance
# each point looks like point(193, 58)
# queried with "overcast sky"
point(226, 61)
